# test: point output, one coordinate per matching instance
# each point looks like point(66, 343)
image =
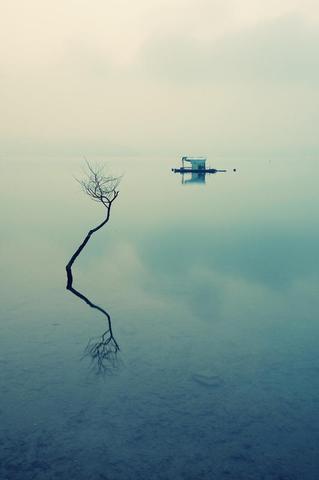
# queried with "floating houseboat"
point(197, 165)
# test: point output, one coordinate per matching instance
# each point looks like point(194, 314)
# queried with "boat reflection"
point(196, 177)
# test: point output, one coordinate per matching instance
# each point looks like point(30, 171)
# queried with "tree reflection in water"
point(102, 189)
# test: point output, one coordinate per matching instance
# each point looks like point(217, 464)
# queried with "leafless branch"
point(100, 187)
point(104, 189)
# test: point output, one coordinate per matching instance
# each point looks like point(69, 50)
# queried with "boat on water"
point(197, 165)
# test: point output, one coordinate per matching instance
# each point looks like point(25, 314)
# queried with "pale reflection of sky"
point(243, 231)
point(204, 281)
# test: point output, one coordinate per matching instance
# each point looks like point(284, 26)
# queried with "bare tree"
point(103, 189)
point(99, 187)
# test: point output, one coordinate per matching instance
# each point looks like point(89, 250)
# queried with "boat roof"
point(193, 158)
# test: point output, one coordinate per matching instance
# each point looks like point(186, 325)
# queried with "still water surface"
point(213, 294)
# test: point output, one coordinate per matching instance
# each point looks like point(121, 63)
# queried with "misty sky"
point(160, 77)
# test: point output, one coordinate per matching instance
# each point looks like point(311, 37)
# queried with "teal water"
point(213, 294)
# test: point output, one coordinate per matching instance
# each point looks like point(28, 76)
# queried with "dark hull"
point(198, 171)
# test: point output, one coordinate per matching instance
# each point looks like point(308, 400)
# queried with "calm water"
point(213, 293)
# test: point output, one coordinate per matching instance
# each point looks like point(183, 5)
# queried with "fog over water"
point(159, 77)
point(213, 294)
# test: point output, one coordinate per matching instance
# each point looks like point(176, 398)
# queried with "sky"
point(159, 77)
